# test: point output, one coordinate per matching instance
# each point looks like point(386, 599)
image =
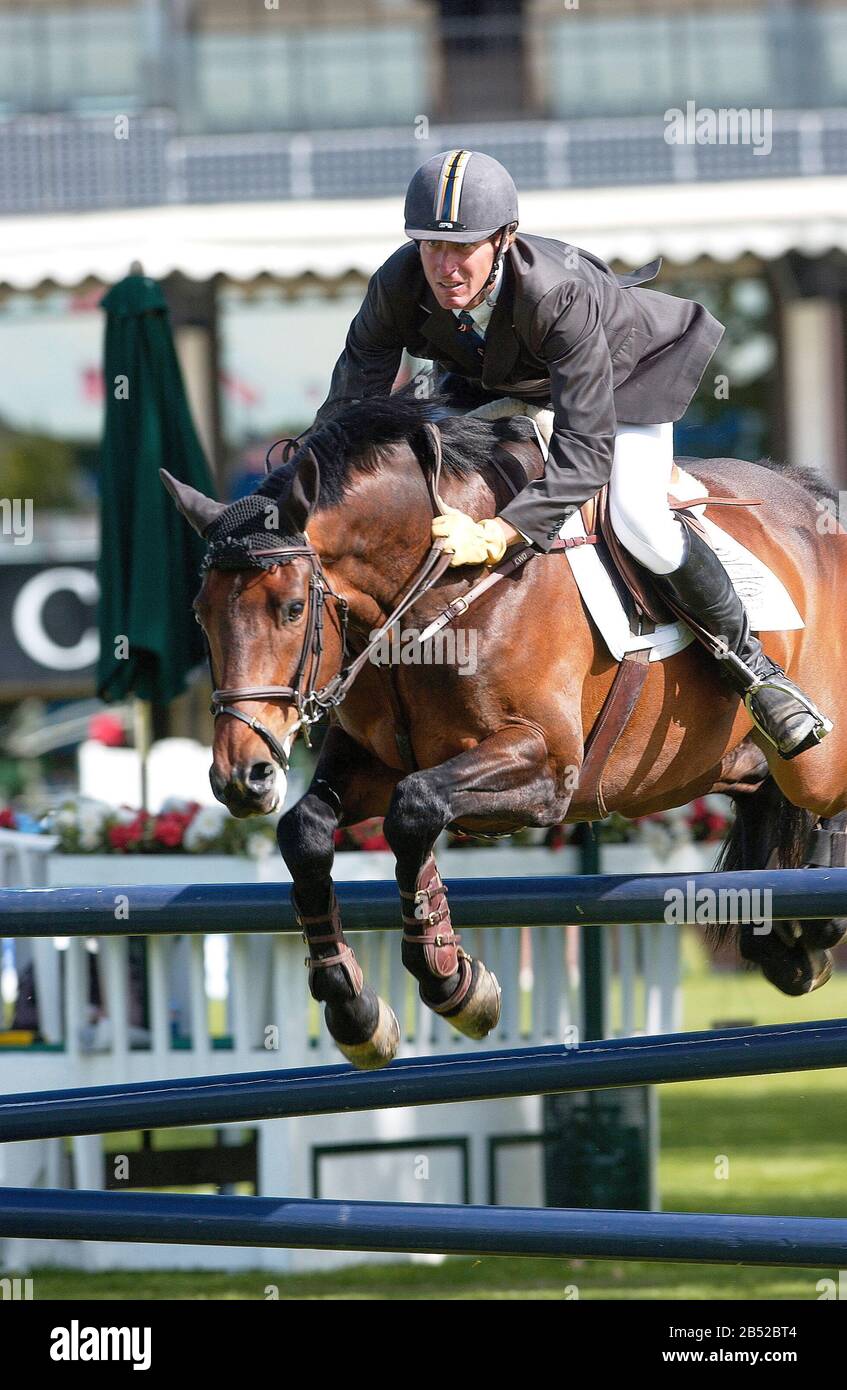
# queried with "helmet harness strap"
point(498, 256)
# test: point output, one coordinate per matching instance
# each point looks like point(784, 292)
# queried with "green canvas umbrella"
point(149, 558)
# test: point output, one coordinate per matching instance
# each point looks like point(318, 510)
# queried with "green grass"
point(489, 1278)
point(781, 1140)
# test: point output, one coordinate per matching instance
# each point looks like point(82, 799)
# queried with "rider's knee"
point(657, 543)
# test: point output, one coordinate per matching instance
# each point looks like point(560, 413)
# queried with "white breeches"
point(638, 497)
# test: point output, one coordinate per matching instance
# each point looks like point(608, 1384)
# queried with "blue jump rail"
point(425, 1081)
point(592, 899)
point(174, 1218)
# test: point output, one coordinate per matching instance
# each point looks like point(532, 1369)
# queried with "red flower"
point(106, 729)
point(374, 842)
point(707, 825)
point(169, 829)
point(7, 819)
point(368, 834)
point(126, 837)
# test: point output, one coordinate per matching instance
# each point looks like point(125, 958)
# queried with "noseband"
point(312, 703)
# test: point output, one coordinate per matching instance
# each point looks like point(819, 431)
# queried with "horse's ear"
point(305, 489)
point(430, 436)
point(431, 439)
point(199, 511)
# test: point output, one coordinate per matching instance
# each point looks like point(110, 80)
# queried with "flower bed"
point(85, 826)
point(707, 818)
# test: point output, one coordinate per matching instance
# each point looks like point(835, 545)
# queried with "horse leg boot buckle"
point(343, 955)
point(430, 926)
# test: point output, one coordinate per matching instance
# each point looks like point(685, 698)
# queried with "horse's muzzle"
point(256, 789)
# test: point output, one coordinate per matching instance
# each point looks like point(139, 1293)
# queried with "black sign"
point(48, 628)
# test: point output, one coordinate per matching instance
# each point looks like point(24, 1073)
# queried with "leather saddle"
point(641, 599)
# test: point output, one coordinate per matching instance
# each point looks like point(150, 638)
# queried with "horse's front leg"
point(349, 785)
point(508, 776)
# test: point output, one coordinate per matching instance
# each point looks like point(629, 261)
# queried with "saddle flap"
point(644, 595)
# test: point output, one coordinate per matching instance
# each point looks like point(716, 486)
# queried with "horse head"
point(275, 625)
point(260, 606)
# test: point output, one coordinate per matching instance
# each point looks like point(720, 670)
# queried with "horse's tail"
point(767, 829)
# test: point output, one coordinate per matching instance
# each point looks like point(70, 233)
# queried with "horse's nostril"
point(260, 774)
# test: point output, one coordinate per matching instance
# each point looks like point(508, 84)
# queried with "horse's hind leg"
point(348, 786)
point(827, 848)
point(770, 832)
point(505, 777)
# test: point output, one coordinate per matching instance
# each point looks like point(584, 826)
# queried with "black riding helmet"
point(462, 195)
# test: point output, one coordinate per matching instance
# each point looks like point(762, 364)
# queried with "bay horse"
point(347, 524)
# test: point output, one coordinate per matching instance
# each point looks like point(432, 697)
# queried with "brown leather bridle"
point(312, 702)
point(308, 701)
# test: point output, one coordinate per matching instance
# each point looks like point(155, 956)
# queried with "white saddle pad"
point(768, 602)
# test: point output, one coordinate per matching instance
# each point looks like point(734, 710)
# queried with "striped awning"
point(328, 240)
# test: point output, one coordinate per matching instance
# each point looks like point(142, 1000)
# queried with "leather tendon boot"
point(702, 589)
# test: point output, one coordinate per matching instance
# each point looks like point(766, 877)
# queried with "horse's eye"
point(295, 611)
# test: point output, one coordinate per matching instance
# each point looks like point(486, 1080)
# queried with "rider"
point(550, 324)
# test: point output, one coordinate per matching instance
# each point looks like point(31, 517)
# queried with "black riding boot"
point(778, 708)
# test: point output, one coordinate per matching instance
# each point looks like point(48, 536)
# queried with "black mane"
point(808, 478)
point(361, 435)
point(358, 439)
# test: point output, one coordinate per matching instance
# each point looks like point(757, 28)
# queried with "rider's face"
point(457, 271)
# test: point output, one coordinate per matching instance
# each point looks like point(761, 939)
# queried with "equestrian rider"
point(550, 324)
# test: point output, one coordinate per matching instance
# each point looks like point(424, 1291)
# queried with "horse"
point(500, 747)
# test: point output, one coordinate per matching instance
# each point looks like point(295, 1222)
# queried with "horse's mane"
point(808, 478)
point(361, 436)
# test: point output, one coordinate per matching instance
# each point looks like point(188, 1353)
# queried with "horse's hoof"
point(380, 1048)
point(479, 1010)
point(798, 972)
point(823, 935)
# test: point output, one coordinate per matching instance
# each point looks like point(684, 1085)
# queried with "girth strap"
point(610, 723)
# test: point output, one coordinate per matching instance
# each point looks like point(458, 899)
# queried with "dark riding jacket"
point(566, 331)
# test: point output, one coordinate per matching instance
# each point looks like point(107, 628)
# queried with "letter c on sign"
point(28, 619)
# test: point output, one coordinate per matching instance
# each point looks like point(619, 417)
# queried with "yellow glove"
point(495, 540)
point(473, 542)
point(464, 536)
